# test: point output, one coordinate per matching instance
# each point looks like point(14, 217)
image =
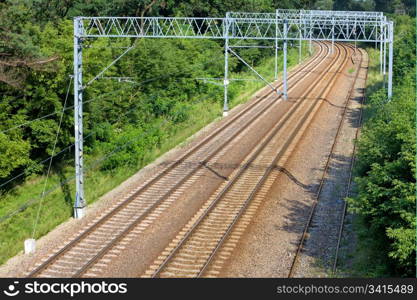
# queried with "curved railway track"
point(352, 162)
point(139, 207)
point(192, 251)
point(300, 246)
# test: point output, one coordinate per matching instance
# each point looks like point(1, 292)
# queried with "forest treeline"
point(386, 165)
point(36, 58)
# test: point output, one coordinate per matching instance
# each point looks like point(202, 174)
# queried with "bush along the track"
point(385, 168)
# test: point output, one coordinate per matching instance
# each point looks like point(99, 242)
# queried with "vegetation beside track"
point(385, 202)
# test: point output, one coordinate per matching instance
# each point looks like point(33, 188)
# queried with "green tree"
point(386, 167)
point(356, 5)
point(324, 5)
point(19, 49)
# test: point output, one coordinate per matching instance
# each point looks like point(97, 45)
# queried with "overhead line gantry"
point(282, 25)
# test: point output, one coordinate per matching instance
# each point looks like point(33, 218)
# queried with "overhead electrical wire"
point(50, 162)
point(134, 84)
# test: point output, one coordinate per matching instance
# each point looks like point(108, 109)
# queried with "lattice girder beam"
point(239, 28)
point(300, 13)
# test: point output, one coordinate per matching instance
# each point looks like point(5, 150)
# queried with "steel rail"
point(161, 199)
point(252, 195)
point(352, 162)
point(314, 60)
point(323, 178)
point(234, 180)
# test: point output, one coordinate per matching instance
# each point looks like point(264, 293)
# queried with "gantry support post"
point(299, 43)
point(385, 55)
point(332, 35)
point(347, 30)
point(354, 32)
point(276, 45)
point(305, 28)
point(390, 56)
point(380, 50)
point(285, 91)
point(300, 53)
point(80, 203)
point(310, 33)
point(226, 64)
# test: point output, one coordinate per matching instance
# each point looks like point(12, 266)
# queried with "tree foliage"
point(386, 165)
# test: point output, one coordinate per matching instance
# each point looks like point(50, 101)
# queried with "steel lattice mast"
point(282, 25)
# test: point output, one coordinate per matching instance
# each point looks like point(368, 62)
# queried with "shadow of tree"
point(65, 187)
point(324, 226)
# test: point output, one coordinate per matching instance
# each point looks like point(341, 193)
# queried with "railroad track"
point(301, 242)
point(352, 162)
point(193, 250)
point(143, 204)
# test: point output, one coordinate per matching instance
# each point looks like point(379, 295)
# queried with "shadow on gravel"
point(293, 178)
point(320, 245)
point(352, 115)
point(323, 231)
point(216, 169)
point(329, 103)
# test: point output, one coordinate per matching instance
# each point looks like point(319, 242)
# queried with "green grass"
point(56, 206)
point(365, 262)
point(375, 80)
point(360, 260)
